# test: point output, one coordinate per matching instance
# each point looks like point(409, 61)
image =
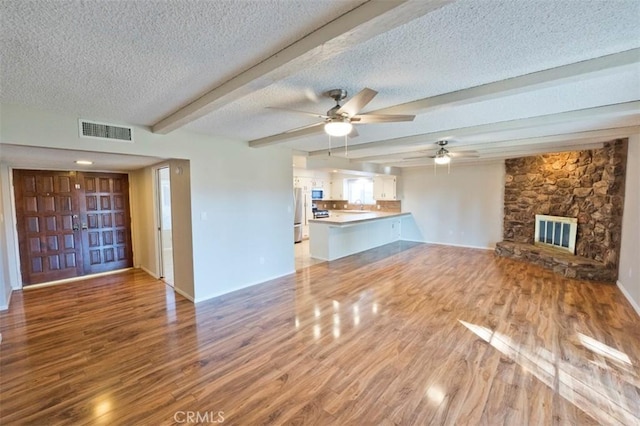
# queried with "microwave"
point(316, 194)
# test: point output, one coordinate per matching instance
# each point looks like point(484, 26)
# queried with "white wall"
point(8, 245)
point(629, 268)
point(181, 239)
point(143, 225)
point(5, 279)
point(464, 207)
point(241, 198)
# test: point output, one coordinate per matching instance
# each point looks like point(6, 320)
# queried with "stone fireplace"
point(585, 185)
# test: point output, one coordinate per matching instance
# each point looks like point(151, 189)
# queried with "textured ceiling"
point(136, 61)
point(139, 61)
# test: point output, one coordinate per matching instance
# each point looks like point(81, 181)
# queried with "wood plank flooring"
point(406, 334)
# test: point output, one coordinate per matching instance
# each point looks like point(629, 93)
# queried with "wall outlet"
point(378, 206)
point(334, 206)
point(345, 206)
point(203, 215)
point(261, 260)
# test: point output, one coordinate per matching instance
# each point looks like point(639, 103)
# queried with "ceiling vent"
point(90, 129)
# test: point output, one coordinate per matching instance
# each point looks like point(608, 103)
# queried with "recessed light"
point(84, 162)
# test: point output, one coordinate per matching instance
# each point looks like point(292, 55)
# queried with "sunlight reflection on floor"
point(591, 391)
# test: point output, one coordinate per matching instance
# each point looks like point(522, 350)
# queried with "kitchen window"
point(360, 191)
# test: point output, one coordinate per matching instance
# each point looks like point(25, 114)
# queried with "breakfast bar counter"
point(344, 233)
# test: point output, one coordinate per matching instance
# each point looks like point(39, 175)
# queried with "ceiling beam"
point(368, 20)
point(621, 109)
point(517, 85)
point(502, 155)
point(285, 136)
point(511, 86)
point(513, 144)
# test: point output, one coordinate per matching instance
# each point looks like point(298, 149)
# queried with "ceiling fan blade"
point(356, 103)
point(313, 114)
point(382, 118)
point(289, 134)
point(419, 157)
point(317, 126)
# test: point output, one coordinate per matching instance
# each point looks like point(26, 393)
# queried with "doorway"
point(165, 233)
point(71, 224)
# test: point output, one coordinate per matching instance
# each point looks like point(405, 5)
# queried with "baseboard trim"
point(242, 287)
point(183, 294)
point(449, 244)
point(153, 274)
point(626, 294)
point(74, 279)
point(6, 307)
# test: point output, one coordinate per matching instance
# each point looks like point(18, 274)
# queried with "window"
point(360, 191)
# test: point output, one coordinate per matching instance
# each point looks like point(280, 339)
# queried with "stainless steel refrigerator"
point(298, 206)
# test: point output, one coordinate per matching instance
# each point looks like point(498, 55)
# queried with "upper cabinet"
point(307, 183)
point(337, 189)
point(317, 183)
point(384, 187)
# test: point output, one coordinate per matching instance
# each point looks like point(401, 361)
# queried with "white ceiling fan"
point(339, 120)
point(443, 155)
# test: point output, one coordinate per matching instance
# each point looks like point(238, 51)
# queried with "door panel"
point(106, 223)
point(71, 224)
point(46, 203)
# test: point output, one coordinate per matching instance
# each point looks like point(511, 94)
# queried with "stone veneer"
point(588, 185)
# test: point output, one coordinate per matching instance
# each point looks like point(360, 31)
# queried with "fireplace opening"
point(556, 231)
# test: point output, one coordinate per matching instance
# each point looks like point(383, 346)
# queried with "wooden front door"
point(71, 224)
point(106, 224)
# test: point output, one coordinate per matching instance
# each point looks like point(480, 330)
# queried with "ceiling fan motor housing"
point(336, 94)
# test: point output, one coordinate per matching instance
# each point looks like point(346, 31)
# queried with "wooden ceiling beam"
point(617, 110)
point(368, 20)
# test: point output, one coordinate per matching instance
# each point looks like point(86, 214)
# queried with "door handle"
point(84, 227)
point(76, 227)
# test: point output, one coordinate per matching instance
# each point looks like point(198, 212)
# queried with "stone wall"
point(588, 185)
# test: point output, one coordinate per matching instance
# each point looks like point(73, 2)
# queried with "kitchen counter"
point(345, 217)
point(348, 232)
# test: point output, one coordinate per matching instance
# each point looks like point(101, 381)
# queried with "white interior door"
point(164, 221)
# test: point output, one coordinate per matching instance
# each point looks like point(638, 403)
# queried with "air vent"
point(90, 129)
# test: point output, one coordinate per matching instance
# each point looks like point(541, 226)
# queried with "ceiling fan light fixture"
point(442, 158)
point(338, 128)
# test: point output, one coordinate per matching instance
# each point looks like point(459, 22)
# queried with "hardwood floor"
point(407, 334)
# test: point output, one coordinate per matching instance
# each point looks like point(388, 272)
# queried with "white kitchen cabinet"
point(337, 189)
point(384, 187)
point(316, 183)
point(304, 183)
